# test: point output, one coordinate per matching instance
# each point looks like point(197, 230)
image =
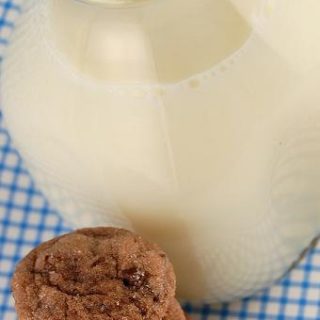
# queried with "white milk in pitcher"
point(196, 123)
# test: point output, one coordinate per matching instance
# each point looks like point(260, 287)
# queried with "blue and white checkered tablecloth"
point(26, 219)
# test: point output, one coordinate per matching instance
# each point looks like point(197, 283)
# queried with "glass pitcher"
point(194, 122)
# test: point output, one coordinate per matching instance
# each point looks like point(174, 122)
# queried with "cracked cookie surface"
point(99, 273)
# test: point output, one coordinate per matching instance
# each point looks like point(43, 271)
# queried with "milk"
point(195, 123)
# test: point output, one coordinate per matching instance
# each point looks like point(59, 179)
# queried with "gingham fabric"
point(26, 219)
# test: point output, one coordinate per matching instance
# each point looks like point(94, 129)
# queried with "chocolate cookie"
point(98, 274)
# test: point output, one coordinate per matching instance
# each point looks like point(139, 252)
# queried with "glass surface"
point(195, 123)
